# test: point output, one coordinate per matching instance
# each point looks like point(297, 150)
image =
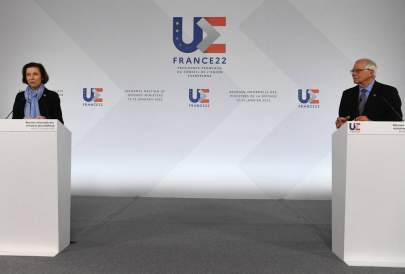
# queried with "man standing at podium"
point(369, 100)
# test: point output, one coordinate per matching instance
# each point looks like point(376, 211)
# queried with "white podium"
point(34, 187)
point(368, 193)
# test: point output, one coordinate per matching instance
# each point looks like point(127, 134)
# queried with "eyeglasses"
point(358, 70)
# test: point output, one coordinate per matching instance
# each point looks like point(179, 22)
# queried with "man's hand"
point(362, 118)
point(341, 120)
point(40, 117)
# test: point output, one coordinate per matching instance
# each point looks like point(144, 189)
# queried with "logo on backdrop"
point(196, 59)
point(354, 126)
point(200, 25)
point(92, 97)
point(308, 98)
point(198, 98)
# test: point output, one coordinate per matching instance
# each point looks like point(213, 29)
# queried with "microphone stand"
point(8, 115)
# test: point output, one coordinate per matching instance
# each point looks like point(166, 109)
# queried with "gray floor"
point(150, 235)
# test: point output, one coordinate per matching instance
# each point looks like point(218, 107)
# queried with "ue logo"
point(94, 96)
point(200, 25)
point(200, 95)
point(354, 126)
point(309, 97)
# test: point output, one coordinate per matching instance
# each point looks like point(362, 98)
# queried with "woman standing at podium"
point(36, 102)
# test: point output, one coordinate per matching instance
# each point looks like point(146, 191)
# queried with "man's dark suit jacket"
point(49, 105)
point(383, 103)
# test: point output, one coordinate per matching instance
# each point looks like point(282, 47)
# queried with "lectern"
point(34, 187)
point(368, 193)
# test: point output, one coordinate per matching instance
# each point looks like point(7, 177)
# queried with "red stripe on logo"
point(215, 48)
point(216, 21)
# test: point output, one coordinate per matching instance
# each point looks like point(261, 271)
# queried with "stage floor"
point(167, 235)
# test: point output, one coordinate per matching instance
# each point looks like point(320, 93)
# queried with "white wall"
point(230, 149)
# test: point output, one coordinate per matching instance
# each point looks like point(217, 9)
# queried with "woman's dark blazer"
point(49, 105)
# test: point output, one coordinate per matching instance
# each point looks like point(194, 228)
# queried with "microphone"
point(391, 108)
point(9, 115)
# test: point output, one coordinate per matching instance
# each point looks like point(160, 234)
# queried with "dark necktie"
point(362, 100)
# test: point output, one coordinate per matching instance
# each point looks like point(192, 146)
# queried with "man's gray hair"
point(370, 64)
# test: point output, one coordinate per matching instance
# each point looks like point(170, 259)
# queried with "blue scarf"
point(31, 105)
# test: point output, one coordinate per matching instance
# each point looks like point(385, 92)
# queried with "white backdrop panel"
point(172, 147)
